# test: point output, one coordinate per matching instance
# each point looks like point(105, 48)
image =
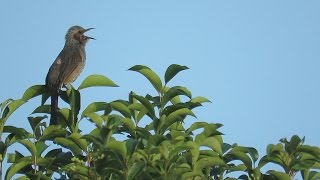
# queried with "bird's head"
point(75, 34)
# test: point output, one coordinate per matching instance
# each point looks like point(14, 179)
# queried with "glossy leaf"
point(52, 132)
point(77, 139)
point(36, 121)
point(212, 142)
point(94, 117)
point(14, 157)
point(150, 75)
point(17, 131)
point(96, 80)
point(173, 92)
point(236, 154)
point(173, 70)
point(129, 124)
point(313, 150)
point(16, 167)
point(74, 100)
point(310, 175)
point(194, 151)
point(41, 147)
point(135, 170)
point(176, 116)
point(34, 91)
point(42, 109)
point(11, 107)
point(208, 162)
point(4, 104)
point(191, 175)
point(95, 107)
point(279, 175)
point(93, 139)
point(69, 144)
point(209, 129)
point(199, 99)
point(146, 104)
point(118, 147)
point(122, 108)
point(131, 145)
point(178, 149)
point(3, 149)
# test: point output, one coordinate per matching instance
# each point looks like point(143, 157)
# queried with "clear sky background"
point(257, 61)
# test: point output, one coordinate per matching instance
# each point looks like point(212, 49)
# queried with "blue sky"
point(257, 61)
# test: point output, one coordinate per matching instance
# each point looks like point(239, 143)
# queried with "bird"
point(67, 66)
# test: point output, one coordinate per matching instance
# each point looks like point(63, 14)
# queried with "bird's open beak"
point(88, 36)
point(88, 29)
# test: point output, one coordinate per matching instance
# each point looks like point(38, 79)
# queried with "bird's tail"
point(54, 108)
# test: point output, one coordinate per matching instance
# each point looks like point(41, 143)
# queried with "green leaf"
point(17, 131)
point(67, 117)
point(279, 175)
point(176, 116)
point(173, 92)
point(199, 99)
point(11, 107)
point(4, 104)
point(74, 99)
point(35, 122)
point(314, 175)
point(156, 139)
point(313, 150)
point(52, 132)
point(173, 70)
point(42, 109)
point(77, 139)
point(191, 175)
point(146, 103)
point(208, 162)
point(118, 147)
point(30, 146)
point(96, 80)
point(81, 171)
point(212, 142)
point(41, 146)
point(135, 170)
point(93, 139)
point(240, 167)
point(94, 117)
point(150, 75)
point(291, 146)
point(128, 123)
point(194, 151)
point(247, 150)
point(34, 91)
point(14, 157)
point(143, 133)
point(131, 145)
point(94, 107)
point(240, 153)
point(69, 144)
point(209, 129)
point(16, 167)
point(122, 108)
point(3, 149)
point(180, 148)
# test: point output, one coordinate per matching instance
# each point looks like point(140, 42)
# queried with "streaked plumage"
point(67, 66)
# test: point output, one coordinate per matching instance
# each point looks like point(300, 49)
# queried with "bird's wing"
point(52, 79)
point(70, 61)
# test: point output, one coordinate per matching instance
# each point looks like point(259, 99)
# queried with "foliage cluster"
point(162, 149)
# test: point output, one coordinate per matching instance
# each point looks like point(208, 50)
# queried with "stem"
point(35, 164)
point(1, 169)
